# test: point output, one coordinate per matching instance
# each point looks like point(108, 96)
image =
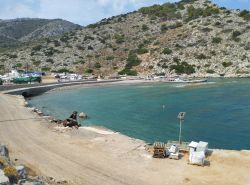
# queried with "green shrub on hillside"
point(216, 40)
point(110, 58)
point(200, 56)
point(11, 56)
point(65, 38)
point(128, 72)
point(50, 52)
point(56, 43)
point(206, 29)
point(167, 10)
point(164, 27)
point(36, 63)
point(176, 60)
point(227, 64)
point(37, 48)
point(194, 13)
point(167, 51)
point(46, 69)
point(145, 27)
point(235, 35)
point(18, 65)
point(210, 71)
point(50, 60)
point(132, 60)
point(97, 65)
point(87, 37)
point(64, 70)
point(90, 48)
point(89, 71)
point(245, 14)
point(119, 38)
point(183, 68)
point(141, 50)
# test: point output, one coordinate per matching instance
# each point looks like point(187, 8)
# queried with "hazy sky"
point(84, 12)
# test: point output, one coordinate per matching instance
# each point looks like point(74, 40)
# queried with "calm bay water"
point(217, 112)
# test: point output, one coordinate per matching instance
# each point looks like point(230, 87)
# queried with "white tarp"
point(197, 158)
point(202, 147)
point(193, 144)
point(173, 149)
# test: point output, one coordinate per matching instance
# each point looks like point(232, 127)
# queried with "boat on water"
point(179, 80)
point(182, 80)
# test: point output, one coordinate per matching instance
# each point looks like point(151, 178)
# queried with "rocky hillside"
point(17, 31)
point(193, 37)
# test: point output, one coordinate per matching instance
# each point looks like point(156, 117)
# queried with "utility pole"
point(181, 116)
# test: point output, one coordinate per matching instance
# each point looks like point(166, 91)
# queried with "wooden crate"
point(159, 150)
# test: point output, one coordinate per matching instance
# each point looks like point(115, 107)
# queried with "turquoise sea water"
point(217, 112)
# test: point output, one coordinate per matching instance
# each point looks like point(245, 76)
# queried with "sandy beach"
point(102, 157)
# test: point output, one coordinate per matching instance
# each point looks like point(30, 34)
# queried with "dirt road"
point(88, 157)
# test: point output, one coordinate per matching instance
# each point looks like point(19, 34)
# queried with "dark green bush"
point(200, 56)
point(80, 47)
point(50, 60)
point(167, 51)
point(245, 14)
point(216, 40)
point(236, 34)
point(194, 13)
point(227, 64)
point(164, 27)
point(90, 48)
point(132, 60)
point(97, 65)
point(183, 68)
point(119, 38)
point(12, 55)
point(87, 37)
point(206, 29)
point(110, 58)
point(210, 71)
point(145, 27)
point(36, 63)
point(176, 60)
point(128, 72)
point(50, 52)
point(46, 69)
point(141, 50)
point(167, 11)
point(37, 48)
point(89, 71)
point(18, 65)
point(65, 38)
point(57, 43)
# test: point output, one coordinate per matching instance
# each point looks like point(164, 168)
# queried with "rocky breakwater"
point(11, 174)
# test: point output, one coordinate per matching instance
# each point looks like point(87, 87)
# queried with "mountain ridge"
point(24, 29)
point(192, 37)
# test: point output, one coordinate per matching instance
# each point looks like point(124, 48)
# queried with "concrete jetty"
point(36, 89)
